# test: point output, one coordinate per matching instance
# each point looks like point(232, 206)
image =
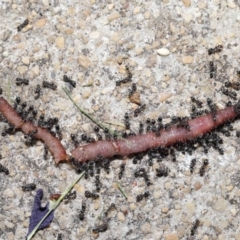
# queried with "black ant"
point(97, 183)
point(122, 169)
point(192, 165)
point(162, 172)
point(127, 79)
point(45, 153)
point(88, 194)
point(1, 91)
point(82, 212)
point(70, 196)
point(22, 81)
point(29, 187)
point(21, 26)
point(29, 138)
point(67, 79)
point(59, 237)
point(101, 228)
point(133, 89)
point(215, 50)
point(4, 169)
point(203, 167)
point(49, 85)
point(38, 91)
point(126, 121)
point(195, 226)
point(140, 197)
point(137, 111)
point(229, 93)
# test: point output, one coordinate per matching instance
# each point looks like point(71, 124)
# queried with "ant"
point(82, 212)
point(38, 91)
point(70, 196)
point(49, 85)
point(137, 111)
point(71, 82)
point(21, 26)
point(192, 165)
point(215, 50)
point(4, 169)
point(195, 226)
point(22, 81)
point(94, 196)
point(140, 197)
point(29, 187)
point(122, 169)
point(203, 167)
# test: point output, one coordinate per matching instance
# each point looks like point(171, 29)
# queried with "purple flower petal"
point(38, 212)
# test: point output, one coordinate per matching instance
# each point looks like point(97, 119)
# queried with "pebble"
point(151, 61)
point(83, 61)
point(9, 224)
point(86, 94)
point(40, 23)
point(113, 16)
point(36, 70)
point(163, 51)
point(171, 236)
point(60, 42)
point(187, 59)
point(237, 236)
point(197, 185)
point(8, 193)
point(121, 216)
point(22, 69)
point(165, 210)
point(186, 3)
point(220, 205)
point(26, 60)
point(146, 227)
point(135, 98)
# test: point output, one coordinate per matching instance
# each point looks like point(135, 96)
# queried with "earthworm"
point(43, 134)
point(197, 127)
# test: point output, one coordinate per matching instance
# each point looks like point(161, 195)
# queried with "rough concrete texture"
point(165, 45)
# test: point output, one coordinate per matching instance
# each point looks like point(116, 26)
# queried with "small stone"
point(187, 59)
point(8, 193)
point(188, 18)
point(190, 207)
point(96, 204)
point(36, 70)
point(83, 61)
point(171, 236)
point(9, 224)
point(69, 31)
point(151, 61)
point(86, 94)
point(136, 10)
point(113, 16)
point(237, 236)
point(164, 96)
point(231, 4)
point(220, 205)
point(165, 210)
point(197, 185)
point(135, 98)
point(186, 3)
point(121, 216)
point(22, 69)
point(26, 60)
point(163, 51)
point(146, 228)
point(40, 23)
point(60, 42)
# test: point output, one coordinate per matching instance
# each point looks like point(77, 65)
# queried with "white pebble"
point(163, 51)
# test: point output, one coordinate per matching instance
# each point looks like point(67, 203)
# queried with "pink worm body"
point(143, 142)
point(43, 134)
